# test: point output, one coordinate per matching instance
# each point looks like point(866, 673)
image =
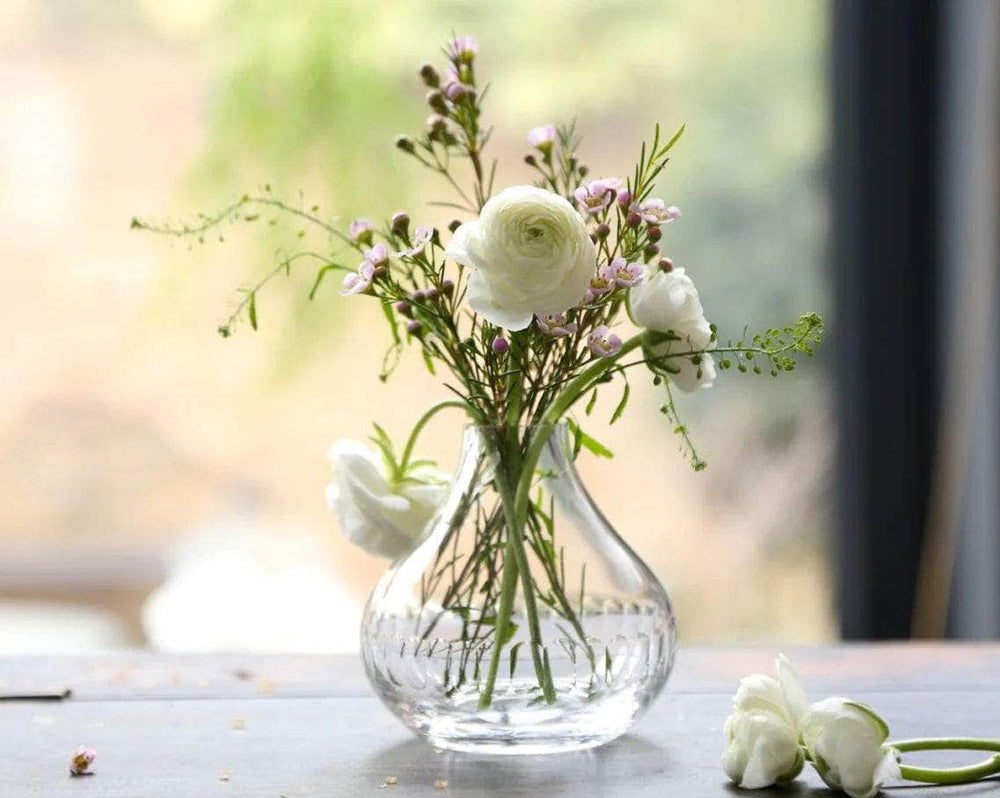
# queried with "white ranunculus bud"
point(761, 750)
point(846, 742)
point(529, 252)
point(667, 302)
point(381, 516)
point(762, 734)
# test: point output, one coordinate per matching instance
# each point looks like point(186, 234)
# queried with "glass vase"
point(522, 623)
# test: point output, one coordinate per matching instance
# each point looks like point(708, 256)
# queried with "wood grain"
point(304, 727)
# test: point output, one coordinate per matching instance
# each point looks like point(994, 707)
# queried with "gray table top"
point(299, 727)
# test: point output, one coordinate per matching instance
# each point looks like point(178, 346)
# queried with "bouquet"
point(536, 299)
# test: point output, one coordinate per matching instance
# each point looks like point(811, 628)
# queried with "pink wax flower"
point(421, 238)
point(360, 231)
point(627, 274)
point(602, 342)
point(463, 48)
point(359, 281)
point(555, 324)
point(500, 345)
point(542, 137)
point(604, 282)
point(378, 255)
point(596, 195)
point(82, 762)
point(654, 211)
point(624, 198)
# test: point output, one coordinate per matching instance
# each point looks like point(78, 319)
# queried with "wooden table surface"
point(298, 727)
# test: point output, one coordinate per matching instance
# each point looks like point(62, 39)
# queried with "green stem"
point(421, 423)
point(515, 543)
point(946, 744)
point(516, 509)
point(991, 767)
point(507, 588)
point(962, 775)
point(541, 433)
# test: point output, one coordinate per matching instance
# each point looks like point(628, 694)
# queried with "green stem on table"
point(962, 775)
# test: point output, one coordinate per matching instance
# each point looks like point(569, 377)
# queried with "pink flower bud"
point(542, 138)
point(456, 91)
point(633, 219)
point(435, 99)
point(360, 231)
point(654, 233)
point(405, 143)
point(430, 75)
point(403, 308)
point(400, 223)
point(624, 198)
point(447, 287)
point(415, 328)
point(651, 250)
point(603, 231)
point(500, 345)
point(436, 125)
point(666, 265)
point(463, 48)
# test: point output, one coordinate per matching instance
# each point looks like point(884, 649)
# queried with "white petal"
point(463, 247)
point(791, 687)
point(509, 315)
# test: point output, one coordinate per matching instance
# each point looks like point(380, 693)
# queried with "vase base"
point(513, 726)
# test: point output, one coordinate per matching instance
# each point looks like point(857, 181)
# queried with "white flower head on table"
point(773, 731)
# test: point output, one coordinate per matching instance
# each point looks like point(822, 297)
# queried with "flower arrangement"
point(773, 731)
point(540, 298)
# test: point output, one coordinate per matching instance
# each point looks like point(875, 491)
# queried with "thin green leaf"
point(592, 445)
point(391, 318)
point(513, 658)
point(621, 405)
point(252, 309)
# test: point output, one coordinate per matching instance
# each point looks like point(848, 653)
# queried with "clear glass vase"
point(523, 623)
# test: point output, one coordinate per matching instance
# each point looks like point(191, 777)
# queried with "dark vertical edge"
point(885, 222)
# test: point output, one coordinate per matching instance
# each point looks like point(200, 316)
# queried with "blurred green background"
point(131, 427)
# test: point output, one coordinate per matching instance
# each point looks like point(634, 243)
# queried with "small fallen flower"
point(225, 775)
point(389, 781)
point(441, 784)
point(82, 762)
point(239, 724)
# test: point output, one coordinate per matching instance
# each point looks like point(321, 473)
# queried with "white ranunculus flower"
point(761, 750)
point(846, 741)
point(668, 302)
point(529, 252)
point(381, 516)
point(762, 734)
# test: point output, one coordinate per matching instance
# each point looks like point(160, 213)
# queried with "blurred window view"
point(165, 487)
